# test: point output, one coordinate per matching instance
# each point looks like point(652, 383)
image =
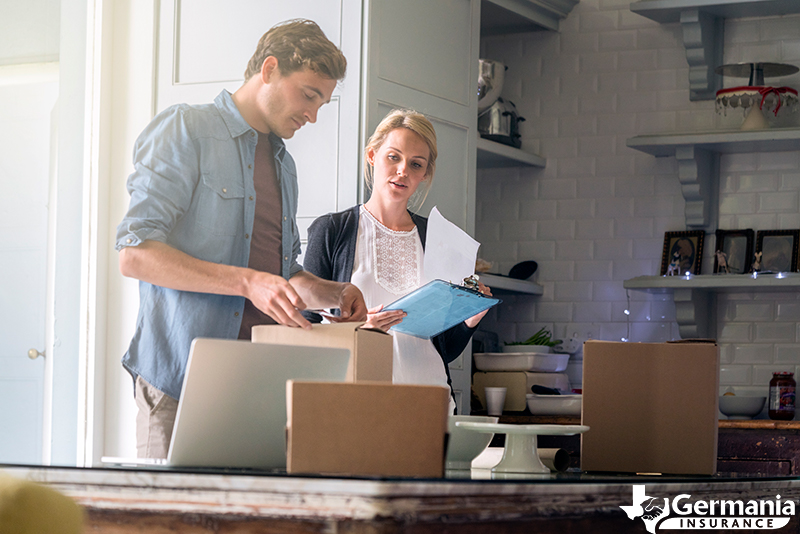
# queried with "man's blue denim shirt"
point(192, 188)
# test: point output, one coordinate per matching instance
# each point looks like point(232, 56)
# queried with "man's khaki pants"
point(154, 421)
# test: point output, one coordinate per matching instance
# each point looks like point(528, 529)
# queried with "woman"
point(379, 246)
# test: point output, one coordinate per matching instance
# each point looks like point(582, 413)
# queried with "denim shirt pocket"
point(220, 205)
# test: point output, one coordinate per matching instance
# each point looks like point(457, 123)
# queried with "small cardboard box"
point(366, 429)
point(651, 407)
point(371, 350)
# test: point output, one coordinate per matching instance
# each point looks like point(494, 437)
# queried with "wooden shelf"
point(698, 161)
point(503, 285)
point(666, 11)
point(695, 295)
point(500, 17)
point(717, 282)
point(496, 155)
point(720, 142)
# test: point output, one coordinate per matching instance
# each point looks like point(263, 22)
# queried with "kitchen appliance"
point(500, 123)
point(490, 82)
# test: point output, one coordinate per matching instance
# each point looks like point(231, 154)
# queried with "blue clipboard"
point(438, 306)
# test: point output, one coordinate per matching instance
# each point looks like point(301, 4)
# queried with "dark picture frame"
point(738, 248)
point(778, 250)
point(688, 245)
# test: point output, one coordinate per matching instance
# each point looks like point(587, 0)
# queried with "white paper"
point(450, 252)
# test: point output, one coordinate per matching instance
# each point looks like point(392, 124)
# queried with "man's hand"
point(276, 297)
point(351, 305)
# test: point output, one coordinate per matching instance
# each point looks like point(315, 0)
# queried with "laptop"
point(232, 408)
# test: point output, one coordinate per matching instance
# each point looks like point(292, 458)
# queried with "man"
point(211, 230)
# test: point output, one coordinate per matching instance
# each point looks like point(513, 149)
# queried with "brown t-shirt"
point(265, 241)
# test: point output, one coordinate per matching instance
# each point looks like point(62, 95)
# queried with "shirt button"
point(224, 190)
point(247, 236)
point(236, 314)
point(129, 241)
point(251, 198)
point(252, 134)
point(286, 258)
point(249, 166)
point(284, 217)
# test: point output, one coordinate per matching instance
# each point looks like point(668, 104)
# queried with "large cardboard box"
point(371, 350)
point(366, 429)
point(651, 407)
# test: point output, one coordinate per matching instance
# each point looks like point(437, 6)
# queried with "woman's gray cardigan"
point(330, 254)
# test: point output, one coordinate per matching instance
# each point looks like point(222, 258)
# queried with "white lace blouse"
point(388, 265)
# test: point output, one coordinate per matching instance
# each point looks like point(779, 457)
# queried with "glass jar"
point(781, 396)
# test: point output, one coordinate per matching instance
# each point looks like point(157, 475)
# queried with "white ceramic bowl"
point(532, 362)
point(741, 407)
point(554, 404)
point(465, 445)
point(539, 349)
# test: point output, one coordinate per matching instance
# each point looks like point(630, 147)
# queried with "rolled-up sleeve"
point(166, 171)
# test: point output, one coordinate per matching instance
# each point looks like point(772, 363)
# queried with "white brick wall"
point(598, 212)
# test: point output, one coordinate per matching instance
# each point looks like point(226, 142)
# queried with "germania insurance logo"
point(681, 513)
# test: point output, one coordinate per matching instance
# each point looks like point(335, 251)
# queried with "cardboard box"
point(651, 407)
point(366, 429)
point(518, 385)
point(371, 350)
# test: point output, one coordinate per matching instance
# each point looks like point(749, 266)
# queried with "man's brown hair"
point(297, 44)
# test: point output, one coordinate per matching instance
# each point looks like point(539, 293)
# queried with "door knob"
point(33, 354)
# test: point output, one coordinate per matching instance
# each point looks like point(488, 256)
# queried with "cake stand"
point(755, 95)
point(521, 454)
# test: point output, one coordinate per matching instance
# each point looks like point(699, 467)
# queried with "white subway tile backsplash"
point(537, 250)
point(557, 189)
point(588, 312)
point(637, 60)
point(657, 122)
point(593, 270)
point(577, 292)
point(635, 186)
point(611, 291)
point(574, 250)
point(626, 269)
point(594, 229)
point(753, 52)
point(790, 50)
point(736, 332)
point(735, 375)
point(695, 120)
point(558, 148)
point(617, 40)
point(598, 21)
point(575, 126)
point(789, 220)
point(656, 80)
point(647, 248)
point(595, 187)
point(662, 310)
point(741, 31)
point(610, 83)
point(580, 166)
point(651, 332)
point(554, 311)
point(788, 311)
point(752, 354)
point(780, 161)
point(737, 204)
point(787, 354)
point(613, 249)
point(639, 227)
point(518, 230)
point(644, 166)
point(638, 101)
point(540, 210)
point(778, 202)
point(557, 271)
point(577, 208)
point(555, 229)
point(775, 332)
point(790, 182)
point(756, 222)
point(674, 100)
point(619, 208)
point(762, 374)
point(596, 146)
point(671, 58)
point(499, 251)
point(498, 210)
point(738, 162)
point(653, 206)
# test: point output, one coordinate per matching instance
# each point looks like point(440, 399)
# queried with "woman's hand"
point(473, 321)
point(383, 320)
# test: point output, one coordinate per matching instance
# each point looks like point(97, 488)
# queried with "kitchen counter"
point(131, 500)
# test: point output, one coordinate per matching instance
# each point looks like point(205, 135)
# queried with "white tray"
point(554, 404)
point(523, 361)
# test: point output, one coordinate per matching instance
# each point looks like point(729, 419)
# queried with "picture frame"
point(682, 250)
point(778, 250)
point(737, 249)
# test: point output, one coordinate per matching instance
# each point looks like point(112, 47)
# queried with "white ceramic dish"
point(741, 407)
point(464, 445)
point(527, 349)
point(530, 361)
point(554, 404)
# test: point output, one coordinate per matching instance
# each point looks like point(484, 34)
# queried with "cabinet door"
point(204, 48)
point(423, 55)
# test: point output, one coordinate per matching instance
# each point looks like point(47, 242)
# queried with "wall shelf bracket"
point(702, 39)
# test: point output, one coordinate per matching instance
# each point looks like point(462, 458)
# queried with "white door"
point(423, 55)
point(26, 110)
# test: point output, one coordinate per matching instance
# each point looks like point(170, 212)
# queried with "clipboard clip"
point(471, 282)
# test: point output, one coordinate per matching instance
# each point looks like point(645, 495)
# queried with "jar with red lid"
point(781, 396)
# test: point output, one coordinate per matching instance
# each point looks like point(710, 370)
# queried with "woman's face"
point(400, 165)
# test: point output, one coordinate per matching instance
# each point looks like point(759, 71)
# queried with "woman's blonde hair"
point(420, 125)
